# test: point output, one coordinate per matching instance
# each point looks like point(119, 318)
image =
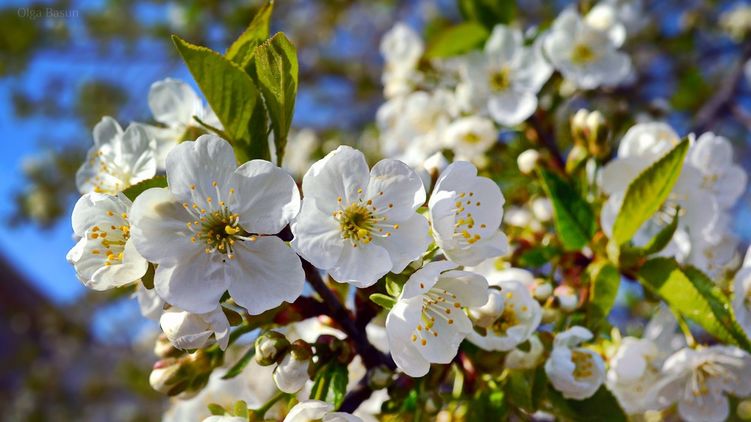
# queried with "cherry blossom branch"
point(371, 357)
point(709, 112)
point(356, 396)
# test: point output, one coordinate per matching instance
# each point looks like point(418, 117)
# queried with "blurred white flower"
point(104, 256)
point(208, 231)
point(699, 380)
point(316, 410)
point(401, 49)
point(712, 155)
point(527, 161)
point(299, 151)
point(173, 103)
point(428, 322)
point(510, 316)
point(466, 212)
point(504, 81)
point(576, 372)
point(412, 127)
point(470, 137)
point(360, 224)
point(186, 330)
point(634, 373)
point(542, 209)
point(118, 159)
point(291, 374)
point(520, 359)
point(604, 17)
point(585, 55)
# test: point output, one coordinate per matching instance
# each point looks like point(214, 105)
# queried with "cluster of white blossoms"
point(413, 262)
point(459, 103)
point(710, 184)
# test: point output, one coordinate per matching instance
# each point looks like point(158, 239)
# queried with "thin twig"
point(371, 356)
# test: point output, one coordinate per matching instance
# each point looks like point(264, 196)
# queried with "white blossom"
point(576, 372)
point(413, 127)
point(186, 330)
point(699, 380)
point(208, 231)
point(465, 213)
point(359, 224)
point(104, 256)
point(401, 49)
point(527, 161)
point(291, 373)
point(604, 17)
point(428, 322)
point(585, 55)
point(316, 410)
point(504, 81)
point(118, 159)
point(299, 150)
point(633, 375)
point(514, 315)
point(174, 104)
point(712, 155)
point(520, 359)
point(470, 137)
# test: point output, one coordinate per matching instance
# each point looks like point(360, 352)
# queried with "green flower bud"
point(271, 347)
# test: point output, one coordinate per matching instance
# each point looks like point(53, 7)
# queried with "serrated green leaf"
point(602, 406)
point(276, 71)
point(691, 293)
point(488, 12)
point(646, 194)
point(238, 367)
point(605, 280)
point(242, 49)
point(155, 182)
point(457, 40)
point(386, 302)
point(229, 91)
point(573, 216)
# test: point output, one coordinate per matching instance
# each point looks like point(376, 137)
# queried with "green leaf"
point(661, 239)
point(605, 280)
point(573, 216)
point(393, 285)
point(488, 12)
point(137, 189)
point(238, 367)
point(241, 51)
point(457, 40)
point(519, 389)
point(386, 302)
point(229, 91)
point(488, 405)
point(602, 406)
point(646, 194)
point(216, 409)
point(691, 293)
point(330, 383)
point(538, 256)
point(276, 73)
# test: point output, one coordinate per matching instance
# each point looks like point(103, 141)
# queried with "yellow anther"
point(231, 230)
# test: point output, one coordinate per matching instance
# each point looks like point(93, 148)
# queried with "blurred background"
point(71, 354)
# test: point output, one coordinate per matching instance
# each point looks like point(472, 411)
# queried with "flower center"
point(582, 364)
point(111, 237)
point(110, 177)
point(436, 303)
point(582, 54)
point(217, 228)
point(362, 220)
point(465, 222)
point(500, 80)
point(471, 138)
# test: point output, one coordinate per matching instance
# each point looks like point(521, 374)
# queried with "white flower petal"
point(401, 187)
point(340, 174)
point(407, 243)
point(361, 266)
point(269, 197)
point(173, 102)
point(318, 237)
point(195, 284)
point(199, 164)
point(400, 323)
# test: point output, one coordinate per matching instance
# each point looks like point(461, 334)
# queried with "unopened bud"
point(579, 127)
point(527, 161)
point(487, 314)
point(566, 298)
point(590, 130)
point(542, 209)
point(380, 377)
point(270, 347)
point(167, 377)
point(542, 290)
point(163, 348)
point(744, 410)
point(292, 372)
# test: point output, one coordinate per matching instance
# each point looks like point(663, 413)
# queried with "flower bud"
point(542, 290)
point(380, 377)
point(487, 314)
point(163, 348)
point(542, 209)
point(270, 347)
point(292, 372)
point(579, 127)
point(167, 377)
point(527, 161)
point(590, 130)
point(744, 410)
point(566, 298)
